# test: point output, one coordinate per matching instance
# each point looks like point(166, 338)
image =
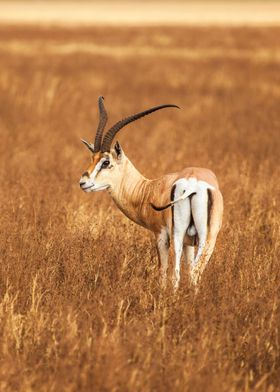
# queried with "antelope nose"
point(82, 183)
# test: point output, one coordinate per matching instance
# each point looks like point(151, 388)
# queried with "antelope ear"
point(90, 146)
point(118, 150)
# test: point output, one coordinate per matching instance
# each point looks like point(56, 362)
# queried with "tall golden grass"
point(81, 305)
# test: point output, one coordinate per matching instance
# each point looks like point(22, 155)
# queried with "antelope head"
point(107, 166)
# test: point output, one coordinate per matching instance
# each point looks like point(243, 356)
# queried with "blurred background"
point(147, 12)
point(81, 307)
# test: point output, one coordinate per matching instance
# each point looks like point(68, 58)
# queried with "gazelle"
point(186, 206)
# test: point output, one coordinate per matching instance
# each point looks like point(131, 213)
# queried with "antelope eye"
point(105, 164)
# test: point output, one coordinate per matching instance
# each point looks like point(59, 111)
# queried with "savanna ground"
point(81, 305)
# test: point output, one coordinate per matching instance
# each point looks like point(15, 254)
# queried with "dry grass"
point(81, 307)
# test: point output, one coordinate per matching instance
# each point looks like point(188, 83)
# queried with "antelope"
point(185, 207)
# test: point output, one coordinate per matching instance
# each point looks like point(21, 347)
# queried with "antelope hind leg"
point(214, 214)
point(181, 219)
point(163, 244)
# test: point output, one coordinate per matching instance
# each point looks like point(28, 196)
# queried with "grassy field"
point(81, 306)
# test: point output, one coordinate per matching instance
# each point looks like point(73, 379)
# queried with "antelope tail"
point(186, 194)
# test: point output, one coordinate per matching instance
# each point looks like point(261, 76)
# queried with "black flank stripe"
point(209, 205)
point(172, 199)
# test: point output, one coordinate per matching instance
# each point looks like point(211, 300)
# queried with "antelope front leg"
point(163, 244)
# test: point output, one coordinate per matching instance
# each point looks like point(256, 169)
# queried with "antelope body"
point(185, 206)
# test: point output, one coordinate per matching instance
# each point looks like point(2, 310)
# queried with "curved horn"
point(109, 136)
point(102, 123)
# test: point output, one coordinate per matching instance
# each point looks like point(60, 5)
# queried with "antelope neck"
point(130, 194)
